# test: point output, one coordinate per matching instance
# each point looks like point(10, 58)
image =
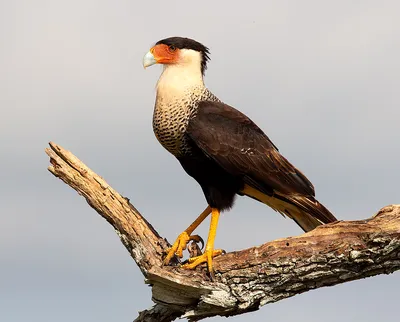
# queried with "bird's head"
point(178, 51)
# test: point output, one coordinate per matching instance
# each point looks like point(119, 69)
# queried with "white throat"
point(182, 77)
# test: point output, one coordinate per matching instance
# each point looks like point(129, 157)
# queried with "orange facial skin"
point(164, 54)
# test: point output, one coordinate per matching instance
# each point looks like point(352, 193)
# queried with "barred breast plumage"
point(171, 117)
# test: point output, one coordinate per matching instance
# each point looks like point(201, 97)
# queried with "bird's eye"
point(172, 48)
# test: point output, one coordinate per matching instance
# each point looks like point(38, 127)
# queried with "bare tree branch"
point(245, 280)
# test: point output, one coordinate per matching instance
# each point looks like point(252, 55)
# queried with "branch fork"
point(245, 280)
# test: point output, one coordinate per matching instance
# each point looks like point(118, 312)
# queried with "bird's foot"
point(180, 245)
point(207, 256)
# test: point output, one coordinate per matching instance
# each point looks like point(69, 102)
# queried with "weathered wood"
point(247, 279)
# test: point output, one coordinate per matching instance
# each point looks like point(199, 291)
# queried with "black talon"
point(202, 243)
point(212, 276)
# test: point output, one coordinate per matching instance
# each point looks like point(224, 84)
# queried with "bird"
point(222, 149)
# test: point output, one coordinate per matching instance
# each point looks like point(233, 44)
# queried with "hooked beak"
point(149, 59)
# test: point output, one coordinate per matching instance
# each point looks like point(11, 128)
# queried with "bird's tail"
point(306, 211)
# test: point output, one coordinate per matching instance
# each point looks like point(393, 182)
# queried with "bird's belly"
point(219, 186)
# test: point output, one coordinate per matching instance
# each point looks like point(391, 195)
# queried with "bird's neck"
point(179, 81)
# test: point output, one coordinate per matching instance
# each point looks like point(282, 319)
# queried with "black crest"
point(187, 43)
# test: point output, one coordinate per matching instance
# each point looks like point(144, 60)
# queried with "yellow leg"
point(209, 252)
point(183, 239)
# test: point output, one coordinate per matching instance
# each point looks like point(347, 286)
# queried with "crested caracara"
point(221, 148)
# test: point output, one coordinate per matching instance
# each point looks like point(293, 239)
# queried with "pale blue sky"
point(321, 78)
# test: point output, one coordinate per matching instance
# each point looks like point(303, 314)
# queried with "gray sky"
point(321, 78)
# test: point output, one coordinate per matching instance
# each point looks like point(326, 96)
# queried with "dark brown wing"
point(238, 145)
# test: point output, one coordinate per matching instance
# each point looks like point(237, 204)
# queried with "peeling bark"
point(245, 280)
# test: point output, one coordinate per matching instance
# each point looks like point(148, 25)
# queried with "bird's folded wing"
point(239, 146)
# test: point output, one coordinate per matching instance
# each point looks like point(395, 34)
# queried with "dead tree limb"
point(247, 279)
